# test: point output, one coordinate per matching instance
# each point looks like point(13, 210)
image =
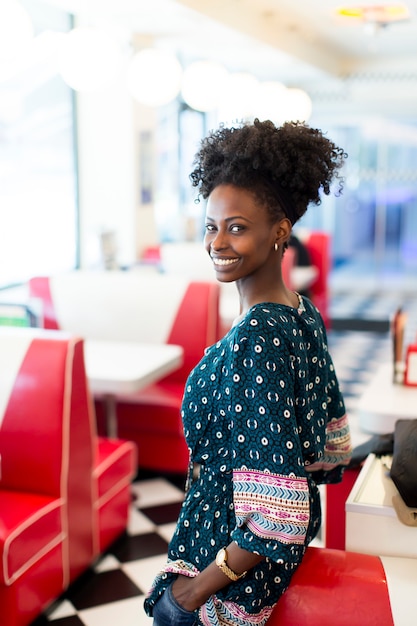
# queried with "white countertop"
point(384, 402)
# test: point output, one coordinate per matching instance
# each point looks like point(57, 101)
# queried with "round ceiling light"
point(16, 29)
point(238, 100)
point(203, 84)
point(270, 101)
point(297, 105)
point(154, 77)
point(89, 60)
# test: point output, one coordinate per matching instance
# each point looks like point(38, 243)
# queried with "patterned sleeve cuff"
point(272, 506)
point(338, 448)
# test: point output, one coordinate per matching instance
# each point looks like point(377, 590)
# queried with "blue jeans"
point(167, 612)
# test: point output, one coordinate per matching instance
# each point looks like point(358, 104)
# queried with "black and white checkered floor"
point(113, 591)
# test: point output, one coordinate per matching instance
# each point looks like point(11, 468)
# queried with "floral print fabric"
point(265, 421)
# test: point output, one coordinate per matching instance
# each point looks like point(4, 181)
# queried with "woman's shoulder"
point(279, 319)
point(262, 322)
point(270, 314)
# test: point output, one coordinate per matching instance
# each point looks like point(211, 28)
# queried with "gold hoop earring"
point(276, 247)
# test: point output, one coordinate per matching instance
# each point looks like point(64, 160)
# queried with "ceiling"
point(360, 65)
point(317, 36)
point(314, 36)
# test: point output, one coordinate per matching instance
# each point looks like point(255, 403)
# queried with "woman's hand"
point(183, 590)
point(191, 593)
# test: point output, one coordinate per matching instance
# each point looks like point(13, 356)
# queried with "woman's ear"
point(283, 231)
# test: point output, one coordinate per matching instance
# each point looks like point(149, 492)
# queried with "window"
point(38, 182)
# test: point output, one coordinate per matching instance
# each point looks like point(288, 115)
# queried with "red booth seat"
point(64, 493)
point(115, 465)
point(337, 588)
point(147, 307)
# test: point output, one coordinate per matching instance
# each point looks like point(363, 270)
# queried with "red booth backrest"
point(318, 246)
point(35, 418)
point(64, 492)
point(47, 430)
point(196, 325)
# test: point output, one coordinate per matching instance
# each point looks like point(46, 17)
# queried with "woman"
point(263, 415)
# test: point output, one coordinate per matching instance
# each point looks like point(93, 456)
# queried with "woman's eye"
point(236, 228)
point(210, 228)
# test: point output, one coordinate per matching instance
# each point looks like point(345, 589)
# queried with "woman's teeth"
point(224, 261)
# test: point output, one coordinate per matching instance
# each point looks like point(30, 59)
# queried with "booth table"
point(117, 368)
point(383, 403)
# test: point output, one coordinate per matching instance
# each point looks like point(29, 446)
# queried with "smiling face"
point(240, 235)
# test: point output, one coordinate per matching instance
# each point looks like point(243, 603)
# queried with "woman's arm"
point(191, 593)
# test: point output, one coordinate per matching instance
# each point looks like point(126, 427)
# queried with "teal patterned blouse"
point(265, 422)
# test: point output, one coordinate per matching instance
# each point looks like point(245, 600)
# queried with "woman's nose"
point(218, 242)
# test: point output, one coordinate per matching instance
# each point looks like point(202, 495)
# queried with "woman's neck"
point(278, 293)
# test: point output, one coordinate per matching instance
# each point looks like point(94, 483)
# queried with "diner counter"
point(383, 402)
point(372, 524)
